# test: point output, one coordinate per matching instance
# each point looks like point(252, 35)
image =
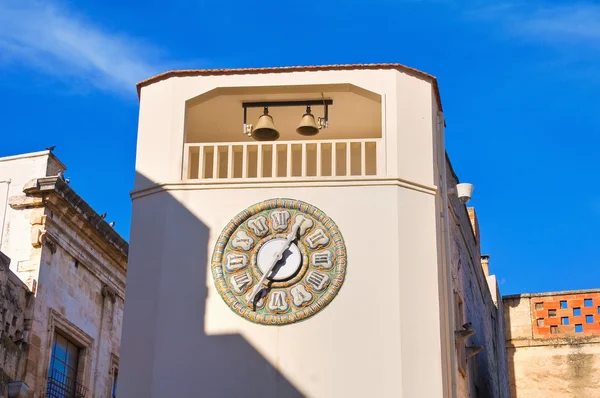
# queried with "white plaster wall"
point(379, 337)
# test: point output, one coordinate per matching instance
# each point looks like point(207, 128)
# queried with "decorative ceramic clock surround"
point(308, 275)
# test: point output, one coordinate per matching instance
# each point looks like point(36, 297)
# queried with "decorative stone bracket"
point(109, 292)
point(17, 389)
point(473, 350)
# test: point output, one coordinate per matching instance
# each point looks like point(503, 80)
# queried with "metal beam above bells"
point(268, 104)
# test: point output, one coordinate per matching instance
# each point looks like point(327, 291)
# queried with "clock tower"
point(286, 236)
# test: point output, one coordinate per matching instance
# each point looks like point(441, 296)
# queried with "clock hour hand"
point(278, 256)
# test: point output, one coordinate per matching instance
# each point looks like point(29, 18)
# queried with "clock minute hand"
point(275, 260)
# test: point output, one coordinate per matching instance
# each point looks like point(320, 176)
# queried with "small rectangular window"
point(540, 322)
point(115, 377)
point(564, 320)
point(553, 329)
point(588, 303)
point(589, 319)
point(539, 306)
point(551, 313)
point(599, 309)
point(578, 328)
point(563, 304)
point(576, 311)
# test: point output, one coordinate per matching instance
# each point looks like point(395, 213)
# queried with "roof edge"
point(287, 69)
point(546, 294)
point(58, 186)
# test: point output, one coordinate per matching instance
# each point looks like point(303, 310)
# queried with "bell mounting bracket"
point(275, 104)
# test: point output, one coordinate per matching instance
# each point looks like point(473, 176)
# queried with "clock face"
point(279, 261)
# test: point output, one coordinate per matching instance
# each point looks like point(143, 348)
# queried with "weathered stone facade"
point(74, 264)
point(481, 357)
point(16, 302)
point(553, 344)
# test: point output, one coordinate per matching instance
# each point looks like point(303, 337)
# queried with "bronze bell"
point(265, 128)
point(308, 126)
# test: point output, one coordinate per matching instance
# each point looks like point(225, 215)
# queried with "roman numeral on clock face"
point(322, 259)
point(279, 219)
point(317, 280)
point(317, 238)
point(242, 240)
point(240, 282)
point(300, 295)
point(236, 261)
point(304, 223)
point(277, 301)
point(258, 225)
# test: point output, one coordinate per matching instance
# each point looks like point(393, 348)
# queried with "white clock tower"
point(336, 170)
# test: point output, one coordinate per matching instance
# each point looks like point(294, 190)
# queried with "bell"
point(308, 126)
point(265, 128)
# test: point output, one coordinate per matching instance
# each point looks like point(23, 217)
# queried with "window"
point(589, 319)
point(564, 320)
point(599, 309)
point(578, 328)
point(540, 322)
point(62, 373)
point(70, 360)
point(576, 311)
point(114, 388)
point(553, 329)
point(539, 306)
point(114, 373)
point(551, 313)
point(563, 304)
point(587, 303)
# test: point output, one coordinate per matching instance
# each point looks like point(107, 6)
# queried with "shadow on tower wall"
point(165, 351)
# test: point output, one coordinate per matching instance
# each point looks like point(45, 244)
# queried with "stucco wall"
point(360, 336)
point(565, 364)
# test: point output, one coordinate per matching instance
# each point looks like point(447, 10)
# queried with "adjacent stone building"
point(553, 344)
point(63, 321)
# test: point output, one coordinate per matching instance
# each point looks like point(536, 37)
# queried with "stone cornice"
point(569, 341)
point(283, 183)
point(55, 187)
point(548, 294)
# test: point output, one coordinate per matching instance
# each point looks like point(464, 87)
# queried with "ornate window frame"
point(58, 323)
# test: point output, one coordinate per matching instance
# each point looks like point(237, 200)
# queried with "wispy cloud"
point(54, 40)
point(572, 23)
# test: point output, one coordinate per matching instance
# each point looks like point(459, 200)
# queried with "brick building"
point(553, 343)
point(64, 287)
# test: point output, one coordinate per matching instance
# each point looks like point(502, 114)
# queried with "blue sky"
point(518, 83)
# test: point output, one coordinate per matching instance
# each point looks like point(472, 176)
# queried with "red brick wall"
point(547, 319)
